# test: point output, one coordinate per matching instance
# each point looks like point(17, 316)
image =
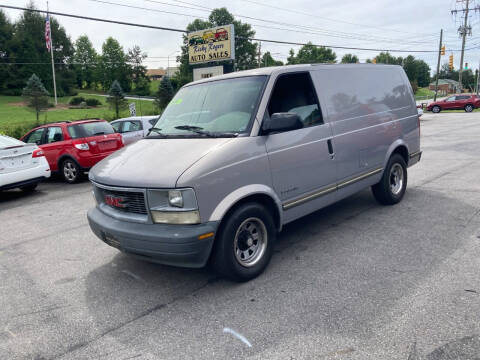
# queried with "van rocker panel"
point(167, 244)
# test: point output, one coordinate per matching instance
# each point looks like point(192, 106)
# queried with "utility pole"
point(438, 64)
point(463, 30)
point(478, 75)
point(259, 53)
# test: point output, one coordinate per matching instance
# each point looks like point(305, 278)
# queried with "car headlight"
point(176, 206)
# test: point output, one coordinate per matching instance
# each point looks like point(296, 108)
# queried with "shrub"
point(93, 102)
point(77, 100)
point(17, 131)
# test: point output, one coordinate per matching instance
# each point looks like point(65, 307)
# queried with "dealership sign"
point(215, 44)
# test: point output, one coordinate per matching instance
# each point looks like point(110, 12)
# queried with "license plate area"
point(107, 145)
point(18, 161)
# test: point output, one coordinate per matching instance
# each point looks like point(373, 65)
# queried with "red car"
point(74, 147)
point(455, 102)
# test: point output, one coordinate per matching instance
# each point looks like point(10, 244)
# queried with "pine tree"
point(36, 96)
point(164, 94)
point(116, 98)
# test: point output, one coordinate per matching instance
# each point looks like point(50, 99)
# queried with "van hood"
point(153, 163)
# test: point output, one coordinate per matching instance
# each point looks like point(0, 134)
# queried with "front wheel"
point(392, 186)
point(70, 171)
point(468, 108)
point(436, 109)
point(245, 242)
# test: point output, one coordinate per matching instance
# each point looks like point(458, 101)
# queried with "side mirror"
point(279, 122)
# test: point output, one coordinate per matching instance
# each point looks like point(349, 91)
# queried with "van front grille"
point(127, 201)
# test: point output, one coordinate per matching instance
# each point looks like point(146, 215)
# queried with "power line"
point(329, 19)
point(317, 30)
point(246, 38)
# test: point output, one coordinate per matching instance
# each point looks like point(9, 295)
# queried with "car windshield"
point(6, 142)
point(90, 129)
point(213, 108)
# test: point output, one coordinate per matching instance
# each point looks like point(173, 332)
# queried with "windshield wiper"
point(199, 130)
point(155, 129)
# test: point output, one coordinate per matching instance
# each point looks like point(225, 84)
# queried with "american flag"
point(47, 32)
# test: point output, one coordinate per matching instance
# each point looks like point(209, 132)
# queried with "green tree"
point(312, 54)
point(116, 98)
point(113, 65)
point(268, 60)
point(387, 58)
point(140, 80)
point(164, 94)
point(6, 30)
point(349, 59)
point(85, 58)
point(245, 49)
point(28, 46)
point(36, 96)
point(423, 73)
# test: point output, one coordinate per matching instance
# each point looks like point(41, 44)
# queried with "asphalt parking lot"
point(353, 281)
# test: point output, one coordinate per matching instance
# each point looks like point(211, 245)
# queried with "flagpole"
point(51, 53)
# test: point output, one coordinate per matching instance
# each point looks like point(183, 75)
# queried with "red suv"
point(455, 102)
point(74, 147)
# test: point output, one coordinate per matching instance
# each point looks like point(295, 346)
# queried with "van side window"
point(294, 93)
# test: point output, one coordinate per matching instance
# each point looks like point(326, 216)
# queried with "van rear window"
point(90, 129)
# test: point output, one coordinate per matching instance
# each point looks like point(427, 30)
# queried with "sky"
point(381, 24)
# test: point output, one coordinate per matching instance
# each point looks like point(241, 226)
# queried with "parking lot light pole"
point(168, 61)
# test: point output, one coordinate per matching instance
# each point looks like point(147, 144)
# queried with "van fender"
point(391, 149)
point(241, 193)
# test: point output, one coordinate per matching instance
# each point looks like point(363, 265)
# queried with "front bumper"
point(176, 245)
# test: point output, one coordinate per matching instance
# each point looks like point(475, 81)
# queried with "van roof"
point(283, 69)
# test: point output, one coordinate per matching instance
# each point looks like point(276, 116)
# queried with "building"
point(156, 74)
point(446, 86)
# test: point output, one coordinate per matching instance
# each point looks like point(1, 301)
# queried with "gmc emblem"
point(115, 201)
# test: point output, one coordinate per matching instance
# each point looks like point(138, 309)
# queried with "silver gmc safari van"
point(235, 157)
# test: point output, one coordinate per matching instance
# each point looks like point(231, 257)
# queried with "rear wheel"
point(436, 109)
point(70, 171)
point(468, 108)
point(28, 188)
point(244, 245)
point(392, 186)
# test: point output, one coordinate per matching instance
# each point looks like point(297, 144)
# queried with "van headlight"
point(176, 206)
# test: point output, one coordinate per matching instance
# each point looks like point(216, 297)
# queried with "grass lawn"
point(424, 93)
point(15, 117)
point(154, 87)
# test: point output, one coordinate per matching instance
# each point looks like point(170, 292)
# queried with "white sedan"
point(21, 165)
point(134, 128)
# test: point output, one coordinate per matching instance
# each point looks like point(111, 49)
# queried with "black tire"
point(385, 192)
point(224, 258)
point(436, 109)
point(28, 188)
point(469, 108)
point(70, 170)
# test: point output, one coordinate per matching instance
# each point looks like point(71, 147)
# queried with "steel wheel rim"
point(250, 242)
point(396, 179)
point(436, 109)
point(469, 108)
point(69, 170)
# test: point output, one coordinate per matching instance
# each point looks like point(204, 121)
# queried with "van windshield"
point(216, 108)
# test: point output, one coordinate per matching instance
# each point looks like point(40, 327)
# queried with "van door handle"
point(330, 148)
